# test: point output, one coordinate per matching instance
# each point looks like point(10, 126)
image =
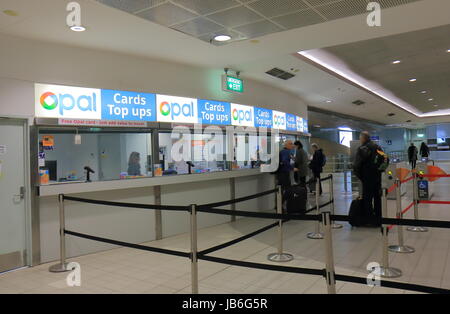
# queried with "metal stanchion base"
point(277, 257)
point(315, 235)
point(401, 249)
point(417, 229)
point(336, 226)
point(387, 272)
point(58, 268)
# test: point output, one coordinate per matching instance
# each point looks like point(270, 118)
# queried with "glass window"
point(251, 149)
point(182, 151)
point(68, 155)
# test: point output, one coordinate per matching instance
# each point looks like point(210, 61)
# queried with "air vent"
point(358, 102)
point(391, 114)
point(281, 74)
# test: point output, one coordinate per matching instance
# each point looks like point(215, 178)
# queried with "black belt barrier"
point(237, 200)
point(132, 205)
point(126, 244)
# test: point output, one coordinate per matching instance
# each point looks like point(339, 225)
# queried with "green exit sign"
point(233, 84)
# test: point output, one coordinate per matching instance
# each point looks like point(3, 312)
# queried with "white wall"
point(25, 61)
point(34, 61)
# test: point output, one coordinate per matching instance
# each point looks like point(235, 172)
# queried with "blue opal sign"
point(214, 112)
point(263, 118)
point(291, 122)
point(131, 106)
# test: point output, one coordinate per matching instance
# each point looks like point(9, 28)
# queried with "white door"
point(12, 195)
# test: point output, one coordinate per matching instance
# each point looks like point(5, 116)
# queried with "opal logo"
point(164, 108)
point(56, 101)
point(242, 115)
point(44, 101)
point(67, 102)
point(176, 109)
point(279, 120)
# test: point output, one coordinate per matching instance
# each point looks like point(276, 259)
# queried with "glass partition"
point(185, 152)
point(71, 155)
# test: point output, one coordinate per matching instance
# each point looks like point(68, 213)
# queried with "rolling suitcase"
point(296, 197)
point(358, 215)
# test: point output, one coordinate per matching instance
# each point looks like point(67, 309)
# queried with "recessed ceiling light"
point(222, 37)
point(11, 12)
point(396, 62)
point(435, 105)
point(430, 99)
point(423, 92)
point(78, 28)
point(413, 80)
point(328, 101)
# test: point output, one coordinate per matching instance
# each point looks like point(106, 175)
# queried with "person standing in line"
point(424, 150)
point(316, 164)
point(367, 172)
point(285, 167)
point(412, 155)
point(301, 163)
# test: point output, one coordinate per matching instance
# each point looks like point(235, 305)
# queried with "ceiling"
point(112, 30)
point(243, 19)
point(423, 55)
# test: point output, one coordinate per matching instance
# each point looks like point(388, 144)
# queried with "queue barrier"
point(194, 255)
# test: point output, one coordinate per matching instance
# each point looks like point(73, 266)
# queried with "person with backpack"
point(412, 155)
point(370, 162)
point(316, 165)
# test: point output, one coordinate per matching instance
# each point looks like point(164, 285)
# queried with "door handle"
point(21, 194)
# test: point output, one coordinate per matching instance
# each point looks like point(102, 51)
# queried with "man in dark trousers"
point(286, 165)
point(316, 165)
point(366, 170)
point(412, 155)
point(301, 163)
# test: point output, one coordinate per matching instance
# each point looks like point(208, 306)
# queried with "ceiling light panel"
point(258, 29)
point(167, 14)
point(271, 8)
point(239, 15)
point(132, 6)
point(197, 27)
point(299, 19)
point(206, 6)
point(337, 10)
point(235, 17)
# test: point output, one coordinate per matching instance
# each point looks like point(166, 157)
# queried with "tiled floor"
point(126, 270)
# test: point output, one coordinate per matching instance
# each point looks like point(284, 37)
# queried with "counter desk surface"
point(83, 187)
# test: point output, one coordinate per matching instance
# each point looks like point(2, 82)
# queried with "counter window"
point(93, 154)
point(183, 151)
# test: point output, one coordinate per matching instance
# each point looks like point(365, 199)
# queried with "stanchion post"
point(280, 256)
point(62, 265)
point(384, 270)
point(333, 225)
point(416, 206)
point(345, 181)
point(329, 263)
point(316, 235)
point(194, 259)
point(401, 247)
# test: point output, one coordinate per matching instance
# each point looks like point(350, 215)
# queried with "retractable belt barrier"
point(325, 218)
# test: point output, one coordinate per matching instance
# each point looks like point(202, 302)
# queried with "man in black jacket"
point(366, 170)
point(316, 165)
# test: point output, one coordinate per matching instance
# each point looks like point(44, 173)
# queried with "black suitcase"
point(358, 215)
point(296, 197)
